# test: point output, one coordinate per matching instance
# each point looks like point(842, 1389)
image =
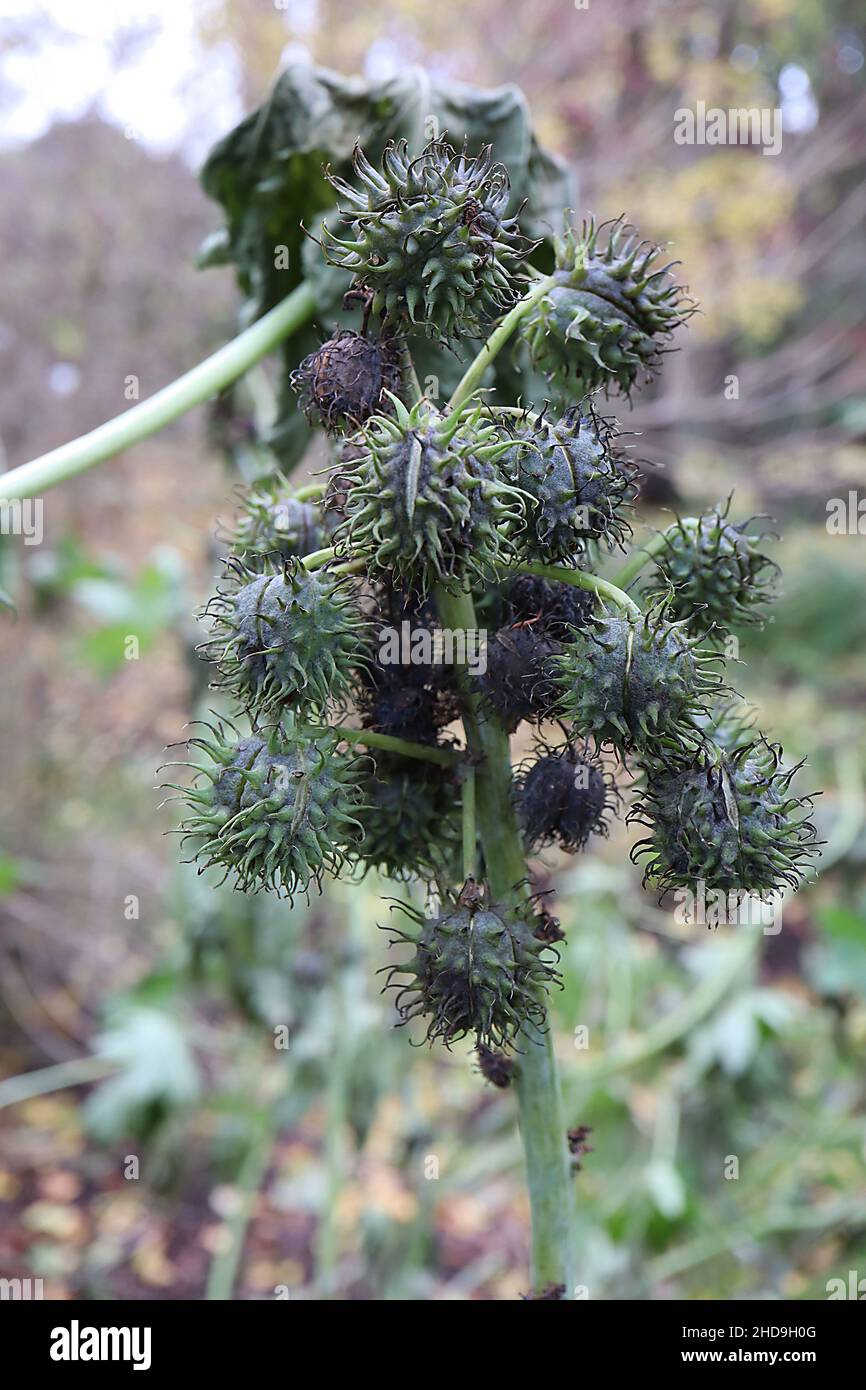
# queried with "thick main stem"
point(542, 1127)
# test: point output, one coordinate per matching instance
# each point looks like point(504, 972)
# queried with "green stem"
point(224, 1267)
point(77, 1072)
point(426, 753)
point(310, 492)
point(542, 1127)
point(636, 562)
point(203, 381)
point(470, 834)
point(580, 579)
point(497, 340)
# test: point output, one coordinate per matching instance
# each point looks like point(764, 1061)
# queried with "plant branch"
point(580, 579)
point(203, 381)
point(542, 1127)
point(641, 557)
point(79, 1071)
point(426, 753)
point(497, 340)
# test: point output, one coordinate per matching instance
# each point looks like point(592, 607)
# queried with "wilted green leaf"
point(267, 176)
point(157, 1074)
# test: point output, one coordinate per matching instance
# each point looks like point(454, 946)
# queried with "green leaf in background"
point(142, 607)
point(836, 963)
point(157, 1074)
point(266, 174)
point(10, 875)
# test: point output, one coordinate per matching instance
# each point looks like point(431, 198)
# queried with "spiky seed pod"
point(288, 636)
point(495, 1067)
point(713, 573)
point(632, 679)
point(429, 236)
point(277, 810)
point(271, 524)
point(548, 604)
point(477, 968)
point(518, 683)
point(563, 797)
point(411, 820)
point(427, 502)
point(610, 311)
point(728, 819)
point(579, 487)
point(345, 381)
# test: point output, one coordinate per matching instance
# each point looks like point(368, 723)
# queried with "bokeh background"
point(181, 1154)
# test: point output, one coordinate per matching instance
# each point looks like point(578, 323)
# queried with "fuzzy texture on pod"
point(407, 690)
point(713, 573)
point(427, 502)
point(286, 637)
point(277, 810)
point(728, 819)
point(562, 798)
point(477, 969)
point(495, 1067)
point(556, 607)
point(579, 487)
point(631, 679)
point(611, 310)
point(518, 683)
point(411, 820)
point(271, 524)
point(345, 381)
point(429, 237)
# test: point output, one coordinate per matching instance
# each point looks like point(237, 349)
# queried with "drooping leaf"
point(267, 175)
point(156, 1074)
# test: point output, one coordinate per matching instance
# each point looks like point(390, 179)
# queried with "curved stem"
point(497, 340)
point(311, 492)
point(444, 757)
point(542, 1127)
point(636, 562)
point(317, 558)
point(79, 1071)
point(580, 579)
point(203, 381)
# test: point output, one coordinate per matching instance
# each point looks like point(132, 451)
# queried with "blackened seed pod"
point(555, 607)
point(347, 380)
point(411, 821)
point(563, 797)
point(518, 683)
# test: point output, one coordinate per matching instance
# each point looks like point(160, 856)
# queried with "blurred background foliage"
point(200, 1156)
